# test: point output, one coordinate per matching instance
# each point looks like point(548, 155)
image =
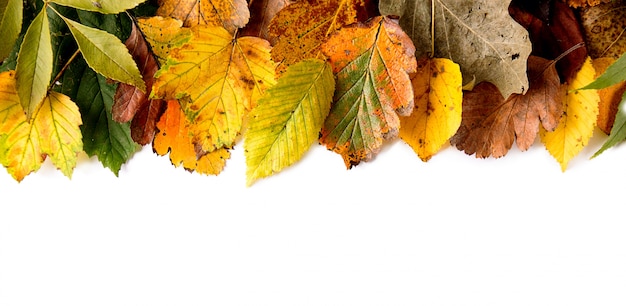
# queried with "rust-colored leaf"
point(263, 12)
point(372, 62)
point(585, 3)
point(230, 14)
point(491, 124)
point(610, 97)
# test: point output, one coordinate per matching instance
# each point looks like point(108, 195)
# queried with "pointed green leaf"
point(106, 54)
point(11, 12)
point(103, 137)
point(618, 132)
point(613, 75)
point(34, 64)
point(101, 6)
point(288, 118)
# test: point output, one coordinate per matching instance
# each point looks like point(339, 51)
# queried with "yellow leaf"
point(578, 121)
point(437, 113)
point(54, 131)
point(230, 14)
point(288, 118)
point(173, 137)
point(163, 34)
point(219, 78)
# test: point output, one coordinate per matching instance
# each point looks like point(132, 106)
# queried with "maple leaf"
point(580, 110)
point(474, 34)
point(371, 62)
point(218, 78)
point(604, 26)
point(303, 27)
point(491, 123)
point(54, 131)
point(173, 138)
point(230, 14)
point(437, 112)
point(288, 118)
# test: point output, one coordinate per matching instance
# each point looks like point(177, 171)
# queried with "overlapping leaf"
point(437, 112)
point(479, 35)
point(288, 118)
point(219, 78)
point(230, 14)
point(578, 121)
point(372, 62)
point(11, 12)
point(163, 35)
point(604, 26)
point(101, 6)
point(174, 138)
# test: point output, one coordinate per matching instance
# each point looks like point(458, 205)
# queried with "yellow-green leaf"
point(34, 64)
point(163, 34)
point(578, 121)
point(219, 78)
point(106, 54)
point(101, 6)
point(437, 113)
point(288, 118)
point(10, 24)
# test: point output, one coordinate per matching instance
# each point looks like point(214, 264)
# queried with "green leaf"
point(34, 64)
point(618, 132)
point(106, 54)
point(614, 74)
point(288, 118)
point(103, 137)
point(11, 12)
point(101, 6)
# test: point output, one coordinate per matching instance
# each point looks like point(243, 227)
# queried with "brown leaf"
point(552, 39)
point(143, 125)
point(604, 27)
point(585, 3)
point(490, 123)
point(264, 11)
point(230, 14)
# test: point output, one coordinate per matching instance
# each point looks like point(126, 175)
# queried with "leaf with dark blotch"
point(128, 98)
point(264, 11)
point(604, 27)
point(556, 38)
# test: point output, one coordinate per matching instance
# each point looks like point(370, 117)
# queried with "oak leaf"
point(53, 131)
point(288, 118)
point(371, 62)
point(230, 14)
point(217, 79)
point(173, 137)
point(437, 112)
point(491, 123)
point(479, 35)
point(580, 111)
point(302, 28)
point(604, 27)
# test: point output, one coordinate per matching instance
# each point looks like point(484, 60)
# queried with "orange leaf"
point(610, 97)
point(372, 62)
point(230, 14)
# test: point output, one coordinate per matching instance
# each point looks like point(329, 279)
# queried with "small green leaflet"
point(613, 75)
point(106, 54)
point(11, 12)
point(101, 6)
point(34, 64)
point(618, 132)
point(288, 118)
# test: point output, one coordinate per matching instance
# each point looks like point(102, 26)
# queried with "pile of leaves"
point(194, 78)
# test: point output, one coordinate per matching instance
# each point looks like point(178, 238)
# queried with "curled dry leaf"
point(371, 62)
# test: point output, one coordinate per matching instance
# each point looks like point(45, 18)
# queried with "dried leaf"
point(578, 121)
point(264, 12)
point(604, 27)
point(474, 34)
point(288, 118)
point(230, 14)
point(371, 62)
point(437, 112)
point(585, 3)
point(174, 138)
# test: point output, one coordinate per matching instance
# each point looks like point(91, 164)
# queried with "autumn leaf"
point(34, 64)
point(371, 62)
point(604, 28)
point(54, 132)
point(304, 26)
point(230, 14)
point(219, 78)
point(163, 35)
point(610, 97)
point(11, 12)
point(473, 34)
point(174, 138)
point(288, 118)
point(437, 112)
point(580, 110)
point(585, 3)
point(263, 13)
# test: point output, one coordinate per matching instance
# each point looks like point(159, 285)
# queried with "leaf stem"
point(67, 64)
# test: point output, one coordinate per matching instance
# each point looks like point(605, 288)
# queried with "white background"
point(394, 231)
